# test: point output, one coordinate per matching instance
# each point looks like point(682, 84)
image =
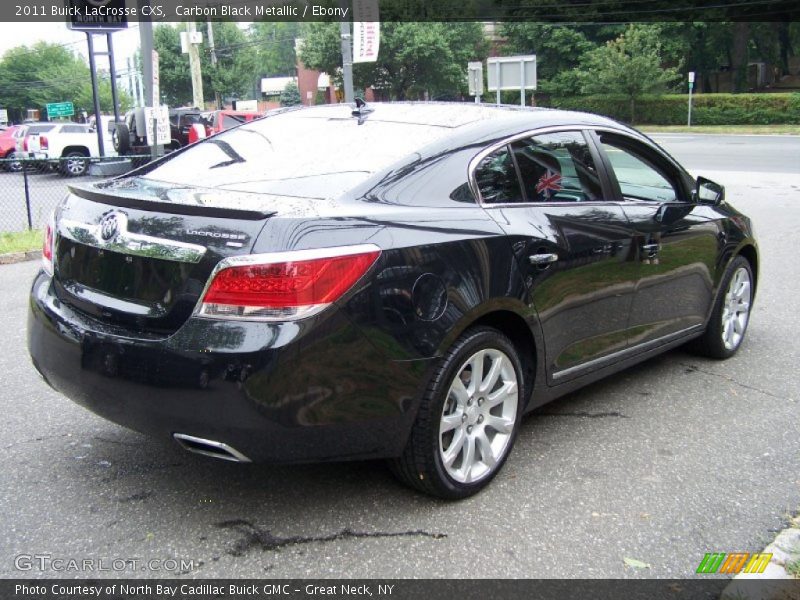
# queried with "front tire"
point(728, 324)
point(468, 418)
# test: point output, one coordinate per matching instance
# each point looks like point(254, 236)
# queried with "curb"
point(16, 257)
point(785, 550)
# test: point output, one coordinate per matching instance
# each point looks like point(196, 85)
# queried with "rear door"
point(572, 241)
point(676, 243)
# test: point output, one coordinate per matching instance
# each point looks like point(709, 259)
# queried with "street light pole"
point(347, 56)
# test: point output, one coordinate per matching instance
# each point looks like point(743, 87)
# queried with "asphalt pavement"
point(674, 458)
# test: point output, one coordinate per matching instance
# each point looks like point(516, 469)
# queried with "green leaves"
point(31, 77)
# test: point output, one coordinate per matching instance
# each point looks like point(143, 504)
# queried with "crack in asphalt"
point(690, 368)
point(586, 415)
point(255, 538)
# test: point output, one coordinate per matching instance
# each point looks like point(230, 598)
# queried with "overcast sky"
point(26, 34)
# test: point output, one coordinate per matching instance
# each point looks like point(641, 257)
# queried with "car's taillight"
point(48, 244)
point(284, 286)
point(43, 143)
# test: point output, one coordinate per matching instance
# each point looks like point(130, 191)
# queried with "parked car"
point(68, 147)
point(8, 147)
point(130, 136)
point(216, 121)
point(402, 283)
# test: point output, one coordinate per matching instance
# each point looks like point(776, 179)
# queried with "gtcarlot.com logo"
point(58, 564)
point(736, 562)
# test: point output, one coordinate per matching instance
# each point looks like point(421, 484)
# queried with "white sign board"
point(3, 115)
point(511, 72)
point(475, 77)
point(366, 31)
point(161, 116)
point(156, 81)
point(366, 41)
point(247, 105)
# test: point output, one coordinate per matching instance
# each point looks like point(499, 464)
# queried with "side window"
point(497, 178)
point(639, 178)
point(557, 167)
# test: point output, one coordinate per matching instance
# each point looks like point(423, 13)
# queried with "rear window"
point(39, 129)
point(296, 155)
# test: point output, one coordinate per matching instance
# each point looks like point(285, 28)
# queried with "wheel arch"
point(82, 149)
point(517, 329)
point(749, 252)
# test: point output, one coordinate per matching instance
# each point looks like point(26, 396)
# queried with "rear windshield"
point(39, 128)
point(297, 154)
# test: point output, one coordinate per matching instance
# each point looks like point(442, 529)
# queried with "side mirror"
point(708, 192)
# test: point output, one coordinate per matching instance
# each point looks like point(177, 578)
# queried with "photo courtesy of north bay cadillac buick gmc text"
point(401, 281)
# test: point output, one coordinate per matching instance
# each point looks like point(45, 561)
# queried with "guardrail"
point(30, 188)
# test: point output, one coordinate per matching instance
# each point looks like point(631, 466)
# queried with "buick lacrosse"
point(398, 281)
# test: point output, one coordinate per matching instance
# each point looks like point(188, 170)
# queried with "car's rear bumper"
point(277, 392)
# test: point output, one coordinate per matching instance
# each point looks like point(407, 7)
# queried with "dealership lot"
point(675, 458)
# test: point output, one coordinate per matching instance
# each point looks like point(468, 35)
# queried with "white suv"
point(70, 144)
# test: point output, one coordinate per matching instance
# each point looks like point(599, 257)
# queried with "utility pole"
point(347, 56)
point(217, 97)
point(194, 67)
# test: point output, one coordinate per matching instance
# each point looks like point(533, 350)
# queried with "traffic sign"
point(161, 117)
point(57, 110)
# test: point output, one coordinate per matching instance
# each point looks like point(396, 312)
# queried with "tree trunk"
point(633, 110)
point(739, 56)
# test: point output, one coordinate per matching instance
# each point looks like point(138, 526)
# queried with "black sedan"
point(401, 281)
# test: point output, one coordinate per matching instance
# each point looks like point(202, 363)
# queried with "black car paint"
point(346, 384)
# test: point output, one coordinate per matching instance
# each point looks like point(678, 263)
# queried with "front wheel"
point(468, 419)
point(728, 324)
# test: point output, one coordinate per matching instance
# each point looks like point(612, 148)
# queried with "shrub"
point(707, 109)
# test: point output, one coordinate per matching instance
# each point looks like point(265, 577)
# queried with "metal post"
point(93, 69)
point(522, 83)
point(497, 80)
point(113, 72)
point(689, 121)
point(27, 193)
point(347, 58)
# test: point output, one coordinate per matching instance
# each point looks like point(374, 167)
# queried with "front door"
point(677, 240)
point(572, 240)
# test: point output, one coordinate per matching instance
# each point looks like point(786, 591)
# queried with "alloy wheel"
point(478, 417)
point(736, 309)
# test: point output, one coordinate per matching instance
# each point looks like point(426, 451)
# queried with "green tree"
point(414, 58)
point(31, 77)
point(631, 65)
point(233, 76)
point(273, 42)
point(290, 96)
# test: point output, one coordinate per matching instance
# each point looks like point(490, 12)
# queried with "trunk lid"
point(137, 255)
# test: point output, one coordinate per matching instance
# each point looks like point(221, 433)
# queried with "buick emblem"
point(109, 227)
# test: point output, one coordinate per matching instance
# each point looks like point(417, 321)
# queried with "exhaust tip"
point(210, 448)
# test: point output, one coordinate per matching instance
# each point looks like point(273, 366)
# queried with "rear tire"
point(74, 164)
point(728, 323)
point(468, 418)
point(121, 138)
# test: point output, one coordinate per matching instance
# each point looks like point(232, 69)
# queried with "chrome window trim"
point(125, 242)
point(473, 164)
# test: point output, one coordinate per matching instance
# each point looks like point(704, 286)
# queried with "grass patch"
point(20, 241)
point(725, 129)
point(793, 568)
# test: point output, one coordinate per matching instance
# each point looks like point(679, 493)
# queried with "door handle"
point(542, 259)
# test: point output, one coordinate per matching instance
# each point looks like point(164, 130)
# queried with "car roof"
point(467, 122)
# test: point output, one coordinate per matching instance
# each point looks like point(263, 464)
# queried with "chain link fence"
point(30, 189)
